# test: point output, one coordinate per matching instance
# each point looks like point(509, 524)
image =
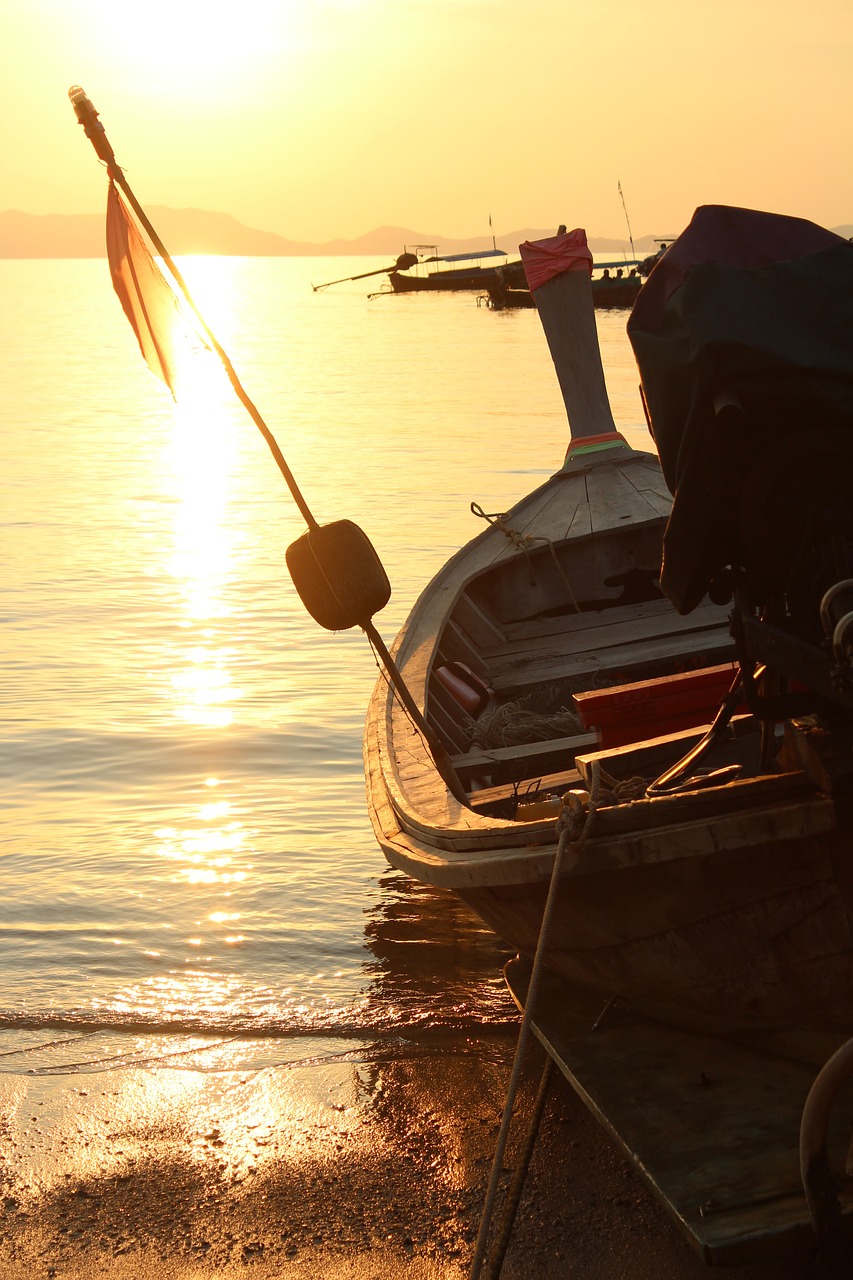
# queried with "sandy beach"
point(350, 1164)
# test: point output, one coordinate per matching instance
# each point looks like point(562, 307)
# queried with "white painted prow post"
point(558, 272)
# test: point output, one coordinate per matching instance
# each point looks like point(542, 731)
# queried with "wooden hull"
point(737, 920)
point(709, 1123)
point(467, 278)
point(721, 910)
point(605, 293)
point(719, 941)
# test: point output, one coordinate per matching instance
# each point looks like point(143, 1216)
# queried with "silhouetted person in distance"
point(647, 263)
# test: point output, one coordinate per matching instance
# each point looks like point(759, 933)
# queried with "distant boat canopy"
point(471, 257)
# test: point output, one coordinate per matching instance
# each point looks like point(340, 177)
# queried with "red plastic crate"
point(651, 708)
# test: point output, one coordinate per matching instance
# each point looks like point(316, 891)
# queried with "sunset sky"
point(325, 118)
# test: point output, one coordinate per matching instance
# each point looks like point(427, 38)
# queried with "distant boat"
point(420, 267)
point(433, 271)
point(614, 284)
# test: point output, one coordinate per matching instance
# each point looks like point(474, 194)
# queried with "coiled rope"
point(512, 724)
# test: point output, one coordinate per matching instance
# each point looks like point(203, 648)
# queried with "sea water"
point(187, 867)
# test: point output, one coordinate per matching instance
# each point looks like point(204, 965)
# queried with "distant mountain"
point(393, 240)
point(81, 235)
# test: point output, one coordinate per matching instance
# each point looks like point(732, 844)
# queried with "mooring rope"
point(567, 824)
point(516, 1188)
point(523, 542)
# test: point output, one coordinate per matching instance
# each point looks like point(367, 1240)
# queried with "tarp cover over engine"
point(743, 335)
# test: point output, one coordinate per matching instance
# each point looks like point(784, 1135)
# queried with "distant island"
point(81, 235)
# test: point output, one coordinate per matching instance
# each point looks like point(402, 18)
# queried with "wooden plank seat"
point(517, 763)
point(623, 640)
point(521, 634)
point(633, 639)
point(500, 801)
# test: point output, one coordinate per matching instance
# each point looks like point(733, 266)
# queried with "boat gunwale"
point(464, 863)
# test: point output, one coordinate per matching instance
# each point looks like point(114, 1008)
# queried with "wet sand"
point(366, 1166)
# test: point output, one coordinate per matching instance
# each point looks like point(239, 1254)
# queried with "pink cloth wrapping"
point(544, 259)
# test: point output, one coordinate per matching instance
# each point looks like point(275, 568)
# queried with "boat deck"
point(712, 1124)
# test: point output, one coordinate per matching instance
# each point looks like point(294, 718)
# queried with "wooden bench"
point(634, 639)
point(500, 801)
point(517, 763)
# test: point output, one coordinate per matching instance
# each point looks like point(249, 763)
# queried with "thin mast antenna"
point(627, 219)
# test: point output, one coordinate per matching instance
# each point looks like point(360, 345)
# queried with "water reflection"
point(201, 458)
point(207, 849)
point(189, 747)
point(205, 854)
point(434, 965)
point(202, 846)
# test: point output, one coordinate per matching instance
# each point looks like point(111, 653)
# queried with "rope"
point(619, 790)
point(523, 542)
point(512, 723)
point(513, 1195)
point(565, 827)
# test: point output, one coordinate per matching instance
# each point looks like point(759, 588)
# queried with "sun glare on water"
point(201, 458)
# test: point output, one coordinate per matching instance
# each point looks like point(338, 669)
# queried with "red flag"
point(162, 325)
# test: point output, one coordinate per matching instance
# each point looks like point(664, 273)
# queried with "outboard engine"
point(743, 336)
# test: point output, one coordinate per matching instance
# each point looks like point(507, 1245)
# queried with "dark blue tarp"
point(754, 310)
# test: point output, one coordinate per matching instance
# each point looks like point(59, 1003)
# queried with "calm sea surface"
point(187, 869)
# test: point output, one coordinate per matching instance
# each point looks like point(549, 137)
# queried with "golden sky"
point(325, 118)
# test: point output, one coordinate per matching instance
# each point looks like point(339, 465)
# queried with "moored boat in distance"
point(614, 284)
point(712, 887)
point(421, 268)
point(455, 271)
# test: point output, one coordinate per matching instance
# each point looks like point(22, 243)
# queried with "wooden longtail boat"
point(614, 285)
point(722, 904)
point(421, 268)
point(455, 271)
